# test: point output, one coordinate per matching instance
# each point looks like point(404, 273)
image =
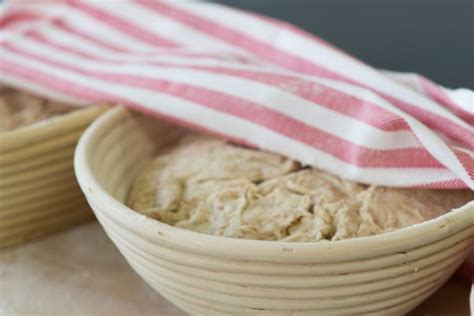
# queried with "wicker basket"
point(38, 191)
point(210, 275)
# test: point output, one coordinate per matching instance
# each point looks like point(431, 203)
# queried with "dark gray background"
point(431, 37)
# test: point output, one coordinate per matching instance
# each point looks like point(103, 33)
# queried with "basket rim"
point(355, 248)
point(45, 129)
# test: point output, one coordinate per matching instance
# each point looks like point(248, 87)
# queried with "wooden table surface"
point(80, 272)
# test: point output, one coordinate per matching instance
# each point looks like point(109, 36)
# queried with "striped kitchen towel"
point(249, 78)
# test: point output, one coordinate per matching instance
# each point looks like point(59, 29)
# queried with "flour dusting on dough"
point(207, 185)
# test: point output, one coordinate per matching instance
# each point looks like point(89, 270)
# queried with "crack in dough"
point(207, 185)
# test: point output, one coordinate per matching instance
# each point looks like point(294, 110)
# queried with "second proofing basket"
point(388, 274)
point(38, 190)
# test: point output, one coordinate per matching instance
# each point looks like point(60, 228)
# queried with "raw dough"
point(207, 185)
point(18, 109)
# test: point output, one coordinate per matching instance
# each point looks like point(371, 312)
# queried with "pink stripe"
point(71, 88)
point(15, 18)
point(320, 94)
point(80, 91)
point(301, 65)
point(238, 39)
point(259, 114)
point(35, 35)
point(437, 123)
point(466, 161)
point(329, 94)
point(442, 185)
point(54, 83)
point(123, 25)
point(86, 36)
point(335, 100)
point(389, 124)
point(437, 94)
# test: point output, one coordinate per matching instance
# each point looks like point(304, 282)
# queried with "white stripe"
point(442, 153)
point(78, 20)
point(47, 10)
point(77, 43)
point(68, 39)
point(289, 104)
point(243, 129)
point(408, 79)
point(463, 97)
point(431, 141)
point(247, 19)
point(310, 50)
point(162, 25)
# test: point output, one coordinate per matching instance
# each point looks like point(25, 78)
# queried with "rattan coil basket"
point(38, 190)
point(388, 274)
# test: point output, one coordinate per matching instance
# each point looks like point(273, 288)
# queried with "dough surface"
point(207, 185)
point(18, 109)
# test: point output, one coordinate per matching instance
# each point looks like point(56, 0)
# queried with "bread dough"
point(18, 109)
point(207, 185)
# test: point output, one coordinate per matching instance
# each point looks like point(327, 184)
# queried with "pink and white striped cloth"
point(255, 80)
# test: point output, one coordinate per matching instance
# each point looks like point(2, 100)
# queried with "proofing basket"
point(388, 274)
point(38, 191)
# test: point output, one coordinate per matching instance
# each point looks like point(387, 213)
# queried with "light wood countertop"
point(80, 272)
